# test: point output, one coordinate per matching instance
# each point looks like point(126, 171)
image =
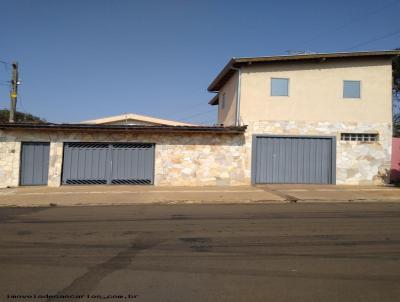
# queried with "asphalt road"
point(288, 252)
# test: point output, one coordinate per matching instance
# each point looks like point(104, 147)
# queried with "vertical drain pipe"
point(237, 122)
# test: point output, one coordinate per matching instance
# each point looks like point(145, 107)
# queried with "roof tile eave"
point(139, 128)
point(227, 70)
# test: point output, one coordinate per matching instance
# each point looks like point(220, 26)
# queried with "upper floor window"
point(223, 101)
point(351, 89)
point(279, 87)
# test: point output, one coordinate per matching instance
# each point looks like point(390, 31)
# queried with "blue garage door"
point(293, 160)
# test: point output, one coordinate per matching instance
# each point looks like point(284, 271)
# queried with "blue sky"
point(83, 59)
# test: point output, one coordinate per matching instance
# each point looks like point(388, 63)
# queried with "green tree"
point(396, 74)
point(21, 117)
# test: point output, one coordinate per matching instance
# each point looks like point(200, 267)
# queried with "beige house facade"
point(315, 105)
point(315, 118)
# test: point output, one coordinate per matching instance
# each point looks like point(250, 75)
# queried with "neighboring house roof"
point(124, 128)
point(229, 68)
point(134, 119)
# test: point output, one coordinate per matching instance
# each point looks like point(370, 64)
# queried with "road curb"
point(197, 202)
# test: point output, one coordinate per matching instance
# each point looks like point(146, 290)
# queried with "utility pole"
point(14, 92)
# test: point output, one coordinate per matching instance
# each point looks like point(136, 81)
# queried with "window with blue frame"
point(279, 87)
point(351, 89)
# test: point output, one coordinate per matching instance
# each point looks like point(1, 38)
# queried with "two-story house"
point(315, 118)
point(312, 118)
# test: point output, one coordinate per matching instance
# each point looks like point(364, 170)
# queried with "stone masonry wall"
point(214, 159)
point(9, 163)
point(180, 159)
point(356, 162)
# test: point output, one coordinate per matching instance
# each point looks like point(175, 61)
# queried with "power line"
point(6, 65)
point(207, 122)
point(362, 17)
point(374, 40)
point(195, 105)
point(20, 103)
point(197, 114)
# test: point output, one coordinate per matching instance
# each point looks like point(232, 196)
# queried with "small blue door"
point(34, 163)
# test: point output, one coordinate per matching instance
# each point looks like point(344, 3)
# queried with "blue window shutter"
point(279, 87)
point(351, 89)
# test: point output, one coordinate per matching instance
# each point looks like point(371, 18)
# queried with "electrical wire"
point(374, 40)
point(5, 65)
point(20, 104)
point(207, 122)
point(197, 114)
point(360, 18)
point(195, 105)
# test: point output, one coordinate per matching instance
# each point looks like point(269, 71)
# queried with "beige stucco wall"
point(180, 159)
point(316, 91)
point(227, 116)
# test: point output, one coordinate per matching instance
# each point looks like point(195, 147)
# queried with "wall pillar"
point(9, 164)
point(55, 164)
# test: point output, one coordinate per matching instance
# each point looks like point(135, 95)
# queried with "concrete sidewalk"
point(119, 195)
point(337, 193)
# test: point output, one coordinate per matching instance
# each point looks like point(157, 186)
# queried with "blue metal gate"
point(108, 163)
